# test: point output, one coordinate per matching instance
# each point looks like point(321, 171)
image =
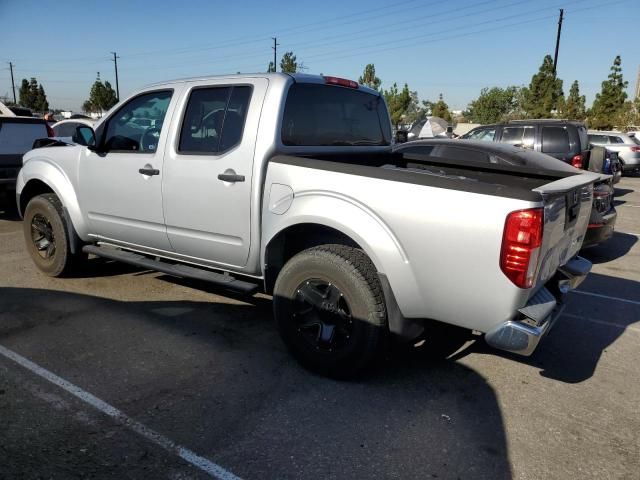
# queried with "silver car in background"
point(627, 147)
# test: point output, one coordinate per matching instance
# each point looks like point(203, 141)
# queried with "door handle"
point(149, 171)
point(231, 177)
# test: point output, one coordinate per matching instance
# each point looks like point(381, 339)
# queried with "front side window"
point(483, 135)
point(136, 126)
point(555, 140)
point(214, 119)
point(325, 115)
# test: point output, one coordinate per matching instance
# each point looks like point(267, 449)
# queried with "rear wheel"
point(46, 237)
point(330, 310)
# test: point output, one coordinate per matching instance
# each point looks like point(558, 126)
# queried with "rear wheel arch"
point(293, 240)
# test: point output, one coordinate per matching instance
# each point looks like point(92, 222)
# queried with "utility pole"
point(275, 53)
point(115, 61)
point(13, 85)
point(555, 57)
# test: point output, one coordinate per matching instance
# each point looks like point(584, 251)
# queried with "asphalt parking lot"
point(122, 373)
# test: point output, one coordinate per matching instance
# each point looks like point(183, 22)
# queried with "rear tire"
point(330, 310)
point(46, 236)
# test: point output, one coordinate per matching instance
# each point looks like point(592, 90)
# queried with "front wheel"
point(330, 309)
point(46, 236)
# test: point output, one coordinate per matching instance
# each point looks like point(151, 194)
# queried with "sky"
point(453, 47)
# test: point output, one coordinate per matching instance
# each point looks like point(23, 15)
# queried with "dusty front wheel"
point(330, 310)
point(46, 237)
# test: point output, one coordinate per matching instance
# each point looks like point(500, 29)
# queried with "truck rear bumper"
point(536, 319)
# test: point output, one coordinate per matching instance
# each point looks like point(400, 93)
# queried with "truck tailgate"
point(567, 208)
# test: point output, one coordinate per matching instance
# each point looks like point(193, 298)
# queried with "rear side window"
point(214, 119)
point(613, 139)
point(555, 140)
point(324, 115)
point(519, 136)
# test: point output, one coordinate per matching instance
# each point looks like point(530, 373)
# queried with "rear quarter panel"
point(440, 248)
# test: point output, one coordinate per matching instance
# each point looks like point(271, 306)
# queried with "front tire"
point(330, 310)
point(46, 237)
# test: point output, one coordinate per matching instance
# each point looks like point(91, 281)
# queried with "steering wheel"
point(149, 139)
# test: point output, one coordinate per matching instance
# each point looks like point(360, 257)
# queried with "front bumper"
point(523, 334)
point(601, 231)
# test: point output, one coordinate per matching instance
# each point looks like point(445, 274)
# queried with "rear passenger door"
point(207, 187)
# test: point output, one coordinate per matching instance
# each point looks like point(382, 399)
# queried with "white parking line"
point(617, 299)
point(602, 322)
point(187, 455)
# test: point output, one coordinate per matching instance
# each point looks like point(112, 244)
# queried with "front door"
point(121, 183)
point(207, 189)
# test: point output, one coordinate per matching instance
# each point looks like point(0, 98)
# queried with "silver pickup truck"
point(290, 184)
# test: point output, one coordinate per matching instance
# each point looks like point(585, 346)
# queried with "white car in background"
point(626, 146)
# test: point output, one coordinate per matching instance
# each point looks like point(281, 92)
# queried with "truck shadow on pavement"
point(617, 246)
point(216, 378)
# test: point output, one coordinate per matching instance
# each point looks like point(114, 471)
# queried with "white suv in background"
point(627, 147)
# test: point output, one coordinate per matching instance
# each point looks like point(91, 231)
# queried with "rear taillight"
point(521, 246)
point(602, 197)
point(635, 149)
point(50, 132)
point(343, 82)
point(576, 161)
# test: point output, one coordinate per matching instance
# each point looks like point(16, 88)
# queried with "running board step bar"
point(174, 269)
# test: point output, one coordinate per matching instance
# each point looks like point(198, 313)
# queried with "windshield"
point(325, 115)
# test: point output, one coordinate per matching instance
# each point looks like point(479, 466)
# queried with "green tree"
point(415, 112)
point(271, 68)
point(25, 98)
point(493, 104)
point(573, 108)
point(629, 115)
point(611, 99)
point(441, 109)
point(369, 78)
point(33, 96)
point(42, 104)
point(398, 102)
point(541, 98)
point(288, 63)
point(101, 97)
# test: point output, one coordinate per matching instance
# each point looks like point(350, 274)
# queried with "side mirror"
point(402, 136)
point(85, 136)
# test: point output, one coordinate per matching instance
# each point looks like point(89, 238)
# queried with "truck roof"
point(283, 77)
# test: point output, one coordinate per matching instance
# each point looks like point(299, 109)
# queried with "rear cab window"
point(328, 115)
